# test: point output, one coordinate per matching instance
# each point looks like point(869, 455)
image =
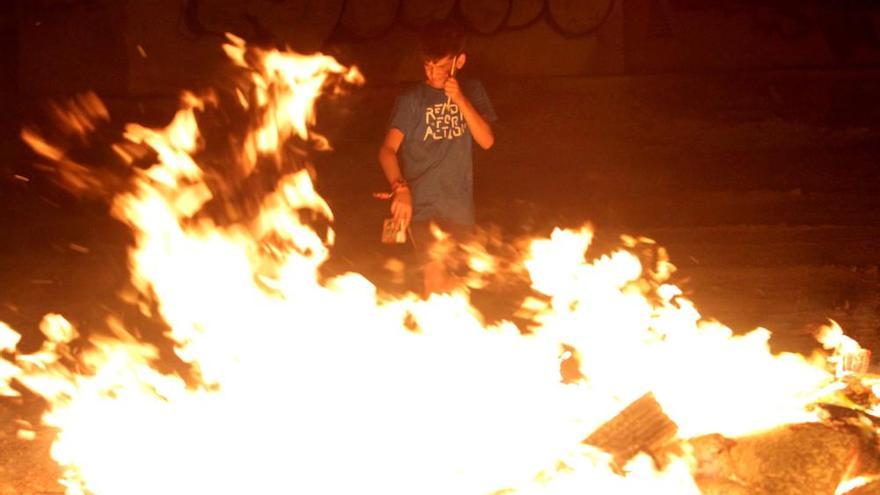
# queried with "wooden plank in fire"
point(641, 426)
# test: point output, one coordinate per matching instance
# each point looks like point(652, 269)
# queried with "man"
point(427, 154)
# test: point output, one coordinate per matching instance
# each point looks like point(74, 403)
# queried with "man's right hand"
point(401, 207)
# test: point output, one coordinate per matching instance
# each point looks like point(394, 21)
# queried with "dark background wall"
point(158, 46)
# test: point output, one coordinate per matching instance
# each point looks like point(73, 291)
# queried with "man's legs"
point(436, 255)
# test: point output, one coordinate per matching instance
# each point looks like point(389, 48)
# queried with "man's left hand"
point(453, 90)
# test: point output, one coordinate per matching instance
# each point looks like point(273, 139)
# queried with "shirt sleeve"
point(477, 94)
point(403, 115)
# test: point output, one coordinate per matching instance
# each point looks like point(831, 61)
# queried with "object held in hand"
point(393, 232)
point(452, 74)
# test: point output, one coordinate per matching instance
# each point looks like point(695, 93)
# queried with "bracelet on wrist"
point(398, 185)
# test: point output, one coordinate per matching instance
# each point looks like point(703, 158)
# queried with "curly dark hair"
point(439, 39)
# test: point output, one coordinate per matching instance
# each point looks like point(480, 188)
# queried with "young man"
point(427, 152)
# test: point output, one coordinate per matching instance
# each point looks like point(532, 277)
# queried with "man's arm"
point(401, 202)
point(480, 128)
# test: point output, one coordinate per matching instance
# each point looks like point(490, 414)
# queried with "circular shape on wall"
point(524, 12)
point(417, 13)
point(484, 16)
point(578, 17)
point(320, 16)
point(304, 25)
point(368, 18)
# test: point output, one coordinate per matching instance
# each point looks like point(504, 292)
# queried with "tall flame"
point(311, 385)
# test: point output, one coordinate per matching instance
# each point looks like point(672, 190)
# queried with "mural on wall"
point(158, 46)
point(306, 24)
point(365, 19)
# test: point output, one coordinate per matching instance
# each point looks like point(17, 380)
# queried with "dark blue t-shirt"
point(436, 152)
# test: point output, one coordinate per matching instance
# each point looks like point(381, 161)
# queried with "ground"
point(762, 186)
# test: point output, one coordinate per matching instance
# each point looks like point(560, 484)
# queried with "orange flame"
point(322, 386)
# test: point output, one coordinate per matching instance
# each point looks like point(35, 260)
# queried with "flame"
point(627, 346)
point(848, 356)
point(305, 384)
point(854, 483)
point(284, 87)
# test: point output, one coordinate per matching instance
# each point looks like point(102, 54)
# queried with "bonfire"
point(294, 381)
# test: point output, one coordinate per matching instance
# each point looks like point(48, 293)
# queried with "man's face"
point(438, 71)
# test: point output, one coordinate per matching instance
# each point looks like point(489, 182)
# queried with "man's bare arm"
point(401, 202)
point(480, 128)
point(388, 155)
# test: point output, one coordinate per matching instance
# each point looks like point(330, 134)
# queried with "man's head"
point(441, 45)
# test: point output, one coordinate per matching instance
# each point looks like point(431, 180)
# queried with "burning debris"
point(302, 383)
point(642, 426)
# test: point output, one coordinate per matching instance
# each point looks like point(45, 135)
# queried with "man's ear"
point(460, 60)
